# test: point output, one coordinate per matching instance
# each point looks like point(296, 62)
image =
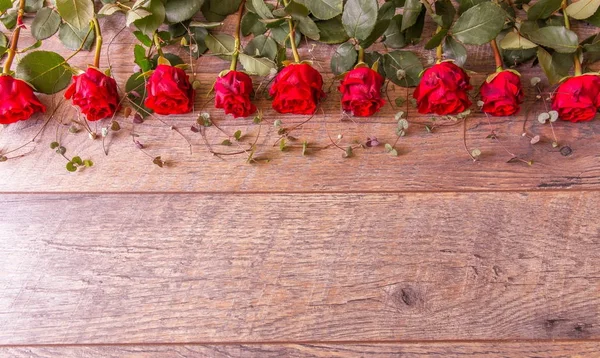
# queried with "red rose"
point(443, 90)
point(95, 94)
point(503, 94)
point(233, 94)
point(169, 91)
point(361, 92)
point(577, 99)
point(297, 89)
point(17, 101)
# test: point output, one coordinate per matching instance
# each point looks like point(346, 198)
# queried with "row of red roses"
point(297, 89)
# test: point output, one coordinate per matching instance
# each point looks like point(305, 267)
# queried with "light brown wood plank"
point(316, 350)
point(427, 162)
point(218, 268)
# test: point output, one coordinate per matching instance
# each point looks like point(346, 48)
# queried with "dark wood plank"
point(216, 268)
point(423, 156)
point(316, 350)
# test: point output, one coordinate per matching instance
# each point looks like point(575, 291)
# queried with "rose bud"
point(502, 94)
point(443, 90)
point(95, 94)
point(169, 91)
point(17, 100)
point(297, 89)
point(577, 99)
point(232, 93)
point(361, 92)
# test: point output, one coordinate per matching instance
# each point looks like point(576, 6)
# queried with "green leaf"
point(556, 37)
point(465, 5)
point(45, 23)
point(217, 10)
point(404, 63)
point(344, 58)
point(455, 50)
point(5, 5)
point(136, 14)
point(281, 35)
point(78, 13)
point(221, 44)
point(543, 9)
point(181, 10)
point(592, 44)
point(517, 57)
point(77, 160)
point(262, 46)
point(257, 66)
point(583, 9)
point(412, 9)
point(9, 19)
point(72, 38)
point(332, 31)
point(237, 135)
point(33, 5)
point(555, 66)
point(252, 25)
point(261, 9)
point(384, 17)
point(480, 24)
point(359, 18)
point(109, 9)
point(514, 41)
point(412, 35)
point(394, 37)
point(140, 58)
point(297, 9)
point(445, 12)
point(307, 27)
point(71, 167)
point(436, 39)
point(45, 71)
point(149, 24)
point(143, 38)
point(173, 59)
point(594, 19)
point(323, 9)
point(375, 57)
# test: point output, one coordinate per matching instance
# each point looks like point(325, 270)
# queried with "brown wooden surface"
point(323, 267)
point(321, 350)
point(427, 254)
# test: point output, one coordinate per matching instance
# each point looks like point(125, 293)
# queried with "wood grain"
point(81, 269)
point(427, 162)
point(317, 350)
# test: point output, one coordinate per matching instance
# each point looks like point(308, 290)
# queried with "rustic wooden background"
point(424, 254)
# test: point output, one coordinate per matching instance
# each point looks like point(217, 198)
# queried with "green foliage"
point(480, 24)
point(46, 71)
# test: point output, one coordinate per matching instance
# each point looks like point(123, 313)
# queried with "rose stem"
point(576, 62)
point(497, 57)
point(12, 51)
point(157, 44)
point(439, 51)
point(292, 36)
point(98, 42)
point(361, 55)
point(236, 51)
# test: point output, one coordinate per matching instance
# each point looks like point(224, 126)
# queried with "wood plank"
point(427, 162)
point(161, 268)
point(316, 350)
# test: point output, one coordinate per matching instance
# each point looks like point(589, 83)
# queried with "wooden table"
point(428, 253)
